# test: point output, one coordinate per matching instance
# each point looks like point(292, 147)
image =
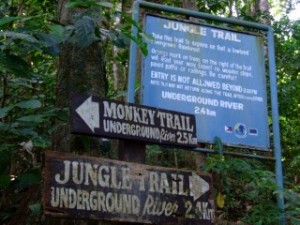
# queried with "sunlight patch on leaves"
point(88, 4)
point(220, 200)
point(16, 35)
point(5, 110)
point(30, 104)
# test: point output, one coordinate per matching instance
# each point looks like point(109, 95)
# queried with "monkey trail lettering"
point(114, 119)
point(101, 189)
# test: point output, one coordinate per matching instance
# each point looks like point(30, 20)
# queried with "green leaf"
point(79, 4)
point(31, 177)
point(30, 104)
point(220, 200)
point(146, 36)
point(41, 142)
point(5, 157)
point(47, 39)
point(139, 42)
point(121, 41)
point(105, 4)
point(88, 4)
point(85, 31)
point(25, 132)
point(35, 208)
point(4, 181)
point(31, 119)
point(14, 64)
point(4, 126)
point(68, 32)
point(131, 21)
point(5, 110)
point(7, 20)
point(57, 31)
point(6, 215)
point(16, 35)
point(20, 82)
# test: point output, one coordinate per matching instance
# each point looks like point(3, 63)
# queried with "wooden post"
point(132, 151)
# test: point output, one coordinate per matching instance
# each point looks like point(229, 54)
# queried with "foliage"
point(30, 39)
point(292, 206)
point(170, 157)
point(247, 190)
point(287, 35)
point(287, 48)
point(27, 104)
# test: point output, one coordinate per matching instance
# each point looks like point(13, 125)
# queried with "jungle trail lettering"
point(104, 176)
point(111, 188)
point(202, 31)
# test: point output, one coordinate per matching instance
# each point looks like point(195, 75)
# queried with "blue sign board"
point(214, 73)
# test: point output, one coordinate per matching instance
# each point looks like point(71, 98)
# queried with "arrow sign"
point(198, 186)
point(89, 113)
point(125, 192)
point(114, 119)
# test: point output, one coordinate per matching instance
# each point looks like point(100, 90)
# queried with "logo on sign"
point(240, 130)
point(253, 131)
point(228, 129)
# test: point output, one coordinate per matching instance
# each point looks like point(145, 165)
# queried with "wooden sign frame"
point(114, 119)
point(84, 187)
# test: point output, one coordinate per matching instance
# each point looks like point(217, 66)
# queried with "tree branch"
point(4, 83)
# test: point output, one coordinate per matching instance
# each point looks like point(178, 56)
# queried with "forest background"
point(51, 49)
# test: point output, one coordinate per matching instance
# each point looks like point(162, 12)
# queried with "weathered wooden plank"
point(101, 189)
point(114, 119)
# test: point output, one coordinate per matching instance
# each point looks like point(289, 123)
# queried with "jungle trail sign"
point(95, 188)
point(214, 73)
point(106, 118)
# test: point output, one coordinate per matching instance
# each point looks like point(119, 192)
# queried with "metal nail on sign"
point(94, 188)
point(95, 116)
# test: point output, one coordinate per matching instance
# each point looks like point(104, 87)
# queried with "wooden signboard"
point(114, 119)
point(95, 188)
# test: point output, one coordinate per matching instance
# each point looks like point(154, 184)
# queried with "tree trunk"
point(80, 70)
point(264, 7)
point(189, 4)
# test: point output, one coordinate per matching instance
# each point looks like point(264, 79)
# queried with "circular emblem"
point(240, 130)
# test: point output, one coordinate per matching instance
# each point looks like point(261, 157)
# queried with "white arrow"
point(198, 186)
point(89, 112)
